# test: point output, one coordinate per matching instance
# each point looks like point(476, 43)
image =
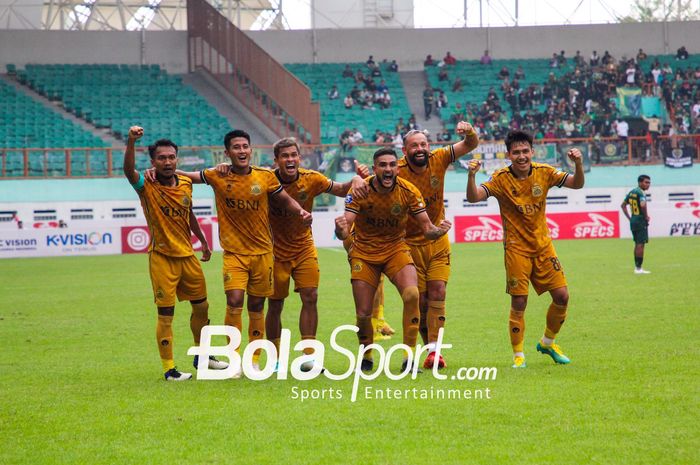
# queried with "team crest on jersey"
point(186, 201)
point(396, 209)
point(434, 182)
point(255, 189)
point(303, 195)
point(356, 267)
point(536, 190)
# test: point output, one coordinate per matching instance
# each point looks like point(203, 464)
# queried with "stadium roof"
point(130, 15)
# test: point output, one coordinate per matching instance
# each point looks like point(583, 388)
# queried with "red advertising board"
point(577, 225)
point(135, 239)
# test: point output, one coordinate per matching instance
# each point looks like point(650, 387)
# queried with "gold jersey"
point(431, 184)
point(291, 236)
point(242, 207)
point(167, 211)
point(381, 220)
point(522, 204)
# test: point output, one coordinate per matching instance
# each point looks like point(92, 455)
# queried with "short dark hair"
point(233, 134)
point(384, 151)
point(160, 143)
point(284, 143)
point(517, 136)
point(643, 177)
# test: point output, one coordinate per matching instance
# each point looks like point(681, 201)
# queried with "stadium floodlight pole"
point(481, 13)
point(465, 13)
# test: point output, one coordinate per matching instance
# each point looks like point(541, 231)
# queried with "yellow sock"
point(556, 315)
point(199, 319)
point(366, 333)
point(164, 336)
point(516, 329)
point(256, 330)
point(436, 318)
point(411, 315)
point(233, 317)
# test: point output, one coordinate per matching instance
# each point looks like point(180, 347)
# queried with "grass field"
point(81, 382)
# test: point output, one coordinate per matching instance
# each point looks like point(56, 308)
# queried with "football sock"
point(423, 328)
point(516, 329)
point(256, 330)
point(199, 319)
point(436, 319)
point(164, 336)
point(233, 317)
point(556, 315)
point(308, 350)
point(638, 261)
point(411, 315)
point(366, 334)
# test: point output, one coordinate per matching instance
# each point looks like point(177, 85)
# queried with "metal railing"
point(250, 74)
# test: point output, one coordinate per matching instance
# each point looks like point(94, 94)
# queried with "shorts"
point(251, 273)
point(432, 262)
point(176, 276)
point(640, 236)
point(370, 271)
point(543, 271)
point(303, 269)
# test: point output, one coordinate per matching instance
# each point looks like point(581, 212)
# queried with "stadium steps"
point(235, 113)
point(57, 107)
point(414, 83)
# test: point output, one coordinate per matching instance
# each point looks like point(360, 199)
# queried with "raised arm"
point(430, 231)
point(577, 180)
point(360, 189)
point(475, 193)
point(135, 133)
point(197, 231)
point(343, 225)
point(291, 205)
point(469, 142)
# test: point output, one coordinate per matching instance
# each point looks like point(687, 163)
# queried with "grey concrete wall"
point(166, 48)
point(408, 46)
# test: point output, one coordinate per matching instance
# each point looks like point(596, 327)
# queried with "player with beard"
point(426, 170)
point(379, 245)
point(294, 249)
point(174, 269)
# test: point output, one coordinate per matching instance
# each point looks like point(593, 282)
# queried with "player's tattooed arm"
point(475, 193)
point(135, 133)
point(469, 142)
point(197, 231)
point(430, 231)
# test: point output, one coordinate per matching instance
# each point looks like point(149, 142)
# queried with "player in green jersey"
point(639, 219)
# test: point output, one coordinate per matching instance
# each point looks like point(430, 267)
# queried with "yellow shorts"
point(251, 273)
point(303, 269)
point(544, 271)
point(370, 271)
point(176, 276)
point(432, 261)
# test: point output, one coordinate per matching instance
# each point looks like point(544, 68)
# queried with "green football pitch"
point(81, 382)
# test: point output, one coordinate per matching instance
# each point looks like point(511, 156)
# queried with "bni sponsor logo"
point(92, 239)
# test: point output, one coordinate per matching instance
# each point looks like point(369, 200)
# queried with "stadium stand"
point(335, 118)
point(27, 123)
point(117, 96)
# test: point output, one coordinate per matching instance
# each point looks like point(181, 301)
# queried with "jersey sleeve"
point(139, 185)
point(492, 187)
point(444, 156)
point(273, 184)
point(642, 196)
point(416, 204)
point(352, 204)
point(556, 177)
point(207, 175)
point(321, 183)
